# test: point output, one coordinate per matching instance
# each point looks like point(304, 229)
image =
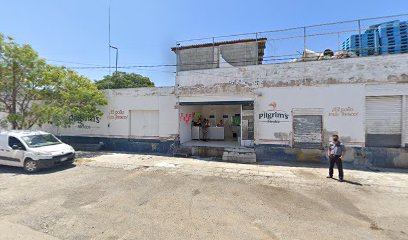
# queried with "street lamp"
point(117, 55)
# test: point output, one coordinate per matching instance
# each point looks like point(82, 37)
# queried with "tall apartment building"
point(385, 38)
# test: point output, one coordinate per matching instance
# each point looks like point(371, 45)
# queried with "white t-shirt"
point(337, 149)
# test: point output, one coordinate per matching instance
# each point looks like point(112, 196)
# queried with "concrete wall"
point(197, 58)
point(225, 55)
point(240, 54)
point(228, 81)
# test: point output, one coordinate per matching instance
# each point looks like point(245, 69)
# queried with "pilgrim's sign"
point(83, 123)
point(273, 115)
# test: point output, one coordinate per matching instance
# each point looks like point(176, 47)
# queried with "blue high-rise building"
point(385, 38)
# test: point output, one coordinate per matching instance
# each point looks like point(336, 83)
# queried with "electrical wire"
point(78, 63)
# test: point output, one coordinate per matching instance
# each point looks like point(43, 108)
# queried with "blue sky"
point(144, 31)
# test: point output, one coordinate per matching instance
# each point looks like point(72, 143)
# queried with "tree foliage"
point(124, 80)
point(33, 92)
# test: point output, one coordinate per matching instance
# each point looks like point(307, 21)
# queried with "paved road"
point(126, 196)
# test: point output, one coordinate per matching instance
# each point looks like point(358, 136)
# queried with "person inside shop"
point(197, 123)
point(336, 153)
point(205, 126)
point(220, 124)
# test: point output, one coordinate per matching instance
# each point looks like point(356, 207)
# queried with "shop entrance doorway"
point(216, 124)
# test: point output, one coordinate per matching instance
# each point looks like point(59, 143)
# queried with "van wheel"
point(30, 166)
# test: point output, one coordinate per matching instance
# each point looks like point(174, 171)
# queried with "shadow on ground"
point(20, 170)
point(92, 154)
point(349, 182)
point(346, 165)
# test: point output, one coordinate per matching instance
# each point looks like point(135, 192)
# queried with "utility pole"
point(109, 34)
point(109, 44)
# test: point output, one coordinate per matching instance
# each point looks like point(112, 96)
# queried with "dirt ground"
point(127, 196)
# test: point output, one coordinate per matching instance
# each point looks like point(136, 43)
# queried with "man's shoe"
point(341, 180)
point(329, 177)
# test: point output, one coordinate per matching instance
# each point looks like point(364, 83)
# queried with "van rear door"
point(8, 155)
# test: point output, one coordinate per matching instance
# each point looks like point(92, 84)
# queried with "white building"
point(284, 111)
point(290, 107)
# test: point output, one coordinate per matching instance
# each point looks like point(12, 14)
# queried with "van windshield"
point(40, 140)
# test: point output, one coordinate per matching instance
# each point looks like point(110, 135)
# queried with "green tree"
point(33, 92)
point(124, 80)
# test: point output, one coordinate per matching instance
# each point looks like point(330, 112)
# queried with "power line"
point(78, 63)
point(271, 58)
point(154, 70)
point(294, 28)
point(127, 67)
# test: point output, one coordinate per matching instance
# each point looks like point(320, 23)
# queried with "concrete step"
point(181, 152)
point(240, 155)
point(240, 150)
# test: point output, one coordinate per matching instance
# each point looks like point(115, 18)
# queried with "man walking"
point(336, 152)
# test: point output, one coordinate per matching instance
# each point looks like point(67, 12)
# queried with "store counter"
point(196, 133)
point(214, 133)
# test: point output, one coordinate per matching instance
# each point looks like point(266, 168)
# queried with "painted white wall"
point(144, 123)
point(342, 105)
point(116, 119)
point(227, 96)
point(185, 118)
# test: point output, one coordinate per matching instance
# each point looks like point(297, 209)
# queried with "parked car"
point(33, 150)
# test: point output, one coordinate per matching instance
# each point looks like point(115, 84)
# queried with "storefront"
point(217, 123)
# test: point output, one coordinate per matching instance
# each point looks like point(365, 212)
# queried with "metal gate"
point(307, 131)
point(383, 121)
point(405, 118)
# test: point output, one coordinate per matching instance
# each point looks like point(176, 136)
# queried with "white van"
point(33, 150)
